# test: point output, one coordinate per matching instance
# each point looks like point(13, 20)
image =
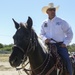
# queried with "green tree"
point(1, 45)
point(71, 48)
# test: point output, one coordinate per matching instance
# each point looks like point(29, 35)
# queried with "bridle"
point(31, 46)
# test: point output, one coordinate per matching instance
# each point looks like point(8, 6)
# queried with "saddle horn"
point(16, 24)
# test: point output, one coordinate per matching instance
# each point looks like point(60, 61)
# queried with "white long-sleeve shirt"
point(57, 29)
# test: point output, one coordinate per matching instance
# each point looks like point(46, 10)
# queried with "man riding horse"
point(59, 30)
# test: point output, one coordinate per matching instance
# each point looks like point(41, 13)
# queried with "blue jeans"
point(63, 52)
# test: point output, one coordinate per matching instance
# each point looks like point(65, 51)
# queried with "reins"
point(32, 47)
point(26, 70)
point(48, 73)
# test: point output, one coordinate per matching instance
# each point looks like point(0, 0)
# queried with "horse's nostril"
point(13, 61)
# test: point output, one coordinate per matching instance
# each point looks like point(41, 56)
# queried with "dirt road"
point(6, 69)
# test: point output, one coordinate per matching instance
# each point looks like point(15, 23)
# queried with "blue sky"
point(21, 9)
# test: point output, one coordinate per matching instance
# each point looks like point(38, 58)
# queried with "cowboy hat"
point(51, 5)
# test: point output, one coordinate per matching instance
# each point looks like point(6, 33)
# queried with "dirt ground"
point(6, 69)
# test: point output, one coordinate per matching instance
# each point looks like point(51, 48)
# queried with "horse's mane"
point(44, 47)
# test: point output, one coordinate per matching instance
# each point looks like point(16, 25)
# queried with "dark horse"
point(26, 44)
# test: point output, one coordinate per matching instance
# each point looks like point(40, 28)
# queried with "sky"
point(21, 9)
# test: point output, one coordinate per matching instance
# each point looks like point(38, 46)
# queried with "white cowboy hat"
point(51, 5)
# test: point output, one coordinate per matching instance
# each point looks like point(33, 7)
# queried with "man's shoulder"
point(45, 22)
point(60, 19)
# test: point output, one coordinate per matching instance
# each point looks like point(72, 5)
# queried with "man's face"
point(51, 12)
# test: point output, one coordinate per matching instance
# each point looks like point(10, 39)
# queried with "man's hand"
point(47, 41)
point(63, 45)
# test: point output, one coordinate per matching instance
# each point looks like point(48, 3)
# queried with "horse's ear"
point(16, 24)
point(29, 23)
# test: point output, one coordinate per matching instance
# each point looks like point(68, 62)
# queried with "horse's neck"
point(37, 56)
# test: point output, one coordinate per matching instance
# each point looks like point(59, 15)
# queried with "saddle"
point(53, 50)
point(57, 58)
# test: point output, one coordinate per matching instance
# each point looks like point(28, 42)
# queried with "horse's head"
point(23, 39)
